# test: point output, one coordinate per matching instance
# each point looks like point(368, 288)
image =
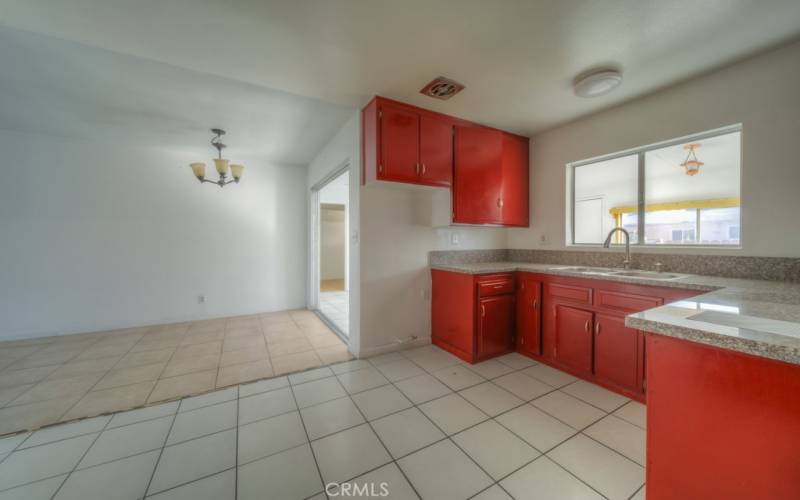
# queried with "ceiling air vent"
point(442, 88)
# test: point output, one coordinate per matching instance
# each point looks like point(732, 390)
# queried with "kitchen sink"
point(603, 271)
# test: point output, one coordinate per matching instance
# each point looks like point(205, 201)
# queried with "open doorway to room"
point(333, 251)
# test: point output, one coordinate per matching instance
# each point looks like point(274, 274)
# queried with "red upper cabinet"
point(399, 139)
point(402, 143)
point(478, 176)
point(487, 169)
point(515, 186)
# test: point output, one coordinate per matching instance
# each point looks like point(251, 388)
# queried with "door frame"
point(315, 237)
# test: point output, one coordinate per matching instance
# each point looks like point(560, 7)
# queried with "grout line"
point(308, 440)
point(161, 452)
point(236, 456)
point(86, 452)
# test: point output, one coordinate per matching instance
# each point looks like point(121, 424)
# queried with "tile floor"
point(53, 379)
point(335, 306)
point(419, 421)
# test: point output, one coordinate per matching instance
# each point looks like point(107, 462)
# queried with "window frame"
point(640, 202)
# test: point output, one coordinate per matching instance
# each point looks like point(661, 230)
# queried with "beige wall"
point(761, 93)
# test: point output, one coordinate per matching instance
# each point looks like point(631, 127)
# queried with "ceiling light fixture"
point(442, 88)
point(597, 83)
point(199, 168)
point(691, 163)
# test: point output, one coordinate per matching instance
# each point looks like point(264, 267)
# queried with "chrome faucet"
point(627, 262)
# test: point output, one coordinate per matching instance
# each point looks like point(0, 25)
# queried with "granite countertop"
point(756, 317)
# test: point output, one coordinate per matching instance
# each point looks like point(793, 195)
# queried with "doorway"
point(332, 251)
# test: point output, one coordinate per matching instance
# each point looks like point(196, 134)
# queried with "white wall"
point(343, 149)
point(396, 237)
point(761, 93)
point(98, 236)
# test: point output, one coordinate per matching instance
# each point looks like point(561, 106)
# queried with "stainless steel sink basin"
point(651, 275)
point(603, 271)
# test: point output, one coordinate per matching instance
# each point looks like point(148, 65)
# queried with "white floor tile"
point(633, 412)
point(422, 388)
point(263, 386)
point(406, 431)
point(309, 375)
point(348, 454)
point(540, 430)
point(549, 375)
point(490, 398)
point(289, 474)
point(329, 417)
point(24, 466)
point(458, 377)
point(443, 472)
point(381, 401)
point(40, 490)
point(497, 451)
point(386, 482)
point(10, 443)
point(212, 398)
point(72, 429)
point(265, 405)
point(641, 494)
point(491, 368)
point(595, 395)
point(318, 391)
point(220, 486)
point(349, 366)
point(522, 386)
point(142, 414)
point(203, 421)
point(382, 359)
point(453, 413)
point(605, 470)
point(436, 361)
point(267, 437)
point(621, 436)
point(544, 480)
point(568, 409)
point(516, 360)
point(399, 370)
point(194, 459)
point(128, 440)
point(361, 380)
point(124, 479)
point(493, 493)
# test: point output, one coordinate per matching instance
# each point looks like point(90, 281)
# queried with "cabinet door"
point(574, 338)
point(616, 352)
point(435, 151)
point(529, 319)
point(399, 130)
point(478, 175)
point(514, 194)
point(495, 325)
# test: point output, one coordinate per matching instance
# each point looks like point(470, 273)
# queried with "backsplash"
point(728, 266)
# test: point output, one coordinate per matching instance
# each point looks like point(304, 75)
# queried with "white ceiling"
point(72, 90)
point(517, 58)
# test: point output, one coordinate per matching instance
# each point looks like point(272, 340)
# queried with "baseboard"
point(385, 349)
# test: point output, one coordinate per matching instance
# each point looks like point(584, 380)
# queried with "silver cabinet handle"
point(534, 303)
point(597, 328)
point(423, 169)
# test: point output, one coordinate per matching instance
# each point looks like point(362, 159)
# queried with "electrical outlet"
point(454, 239)
point(201, 299)
point(543, 239)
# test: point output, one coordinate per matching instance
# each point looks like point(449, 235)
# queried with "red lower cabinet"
point(495, 326)
point(574, 338)
point(529, 318)
point(616, 352)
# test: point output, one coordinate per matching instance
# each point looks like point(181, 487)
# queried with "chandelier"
point(199, 168)
point(691, 164)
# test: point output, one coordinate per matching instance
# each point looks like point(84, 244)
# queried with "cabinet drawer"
point(626, 302)
point(569, 292)
point(496, 287)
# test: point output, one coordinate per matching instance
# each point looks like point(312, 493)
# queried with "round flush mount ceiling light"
point(597, 83)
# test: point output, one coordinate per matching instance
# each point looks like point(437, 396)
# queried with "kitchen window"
point(684, 192)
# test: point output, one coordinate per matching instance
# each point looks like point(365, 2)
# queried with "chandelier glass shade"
point(222, 165)
point(691, 164)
